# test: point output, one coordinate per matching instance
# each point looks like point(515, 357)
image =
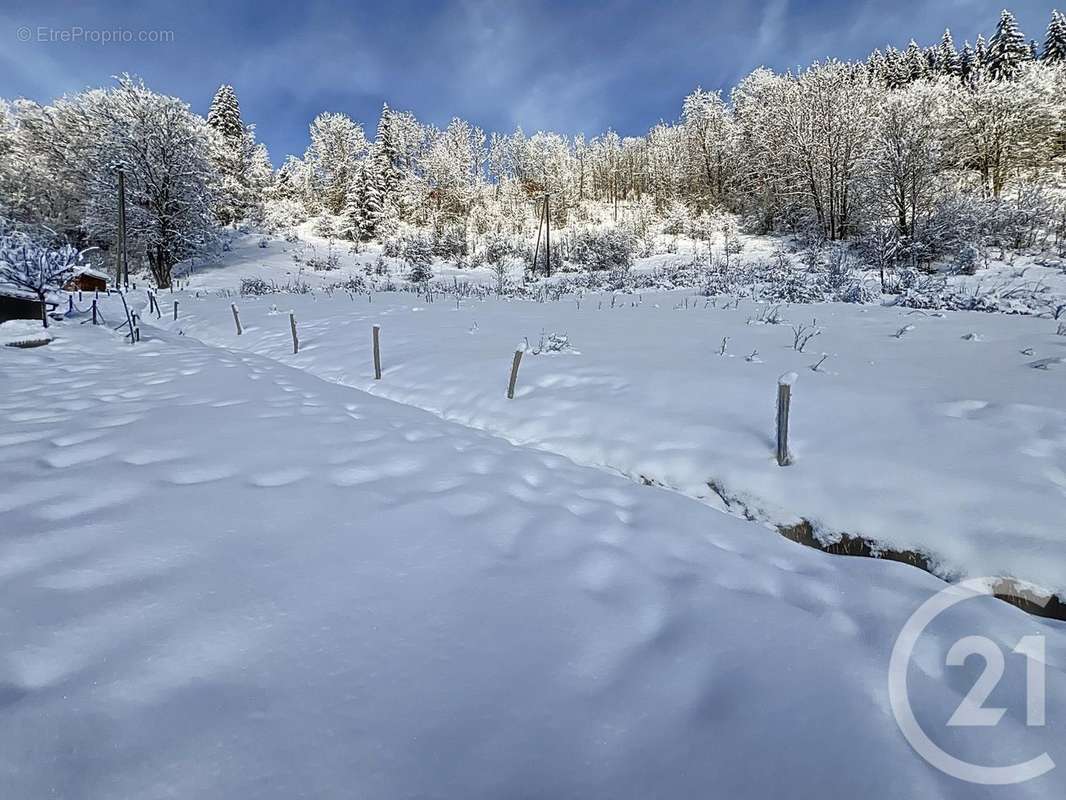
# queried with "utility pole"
point(547, 235)
point(123, 266)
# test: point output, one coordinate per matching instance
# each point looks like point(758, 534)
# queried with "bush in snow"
point(353, 283)
point(676, 219)
point(256, 286)
point(417, 253)
point(449, 243)
point(609, 249)
point(551, 343)
point(35, 268)
point(327, 226)
point(283, 214)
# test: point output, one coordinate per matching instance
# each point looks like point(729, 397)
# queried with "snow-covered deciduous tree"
point(34, 267)
point(163, 151)
point(901, 172)
point(709, 138)
point(81, 142)
point(1001, 130)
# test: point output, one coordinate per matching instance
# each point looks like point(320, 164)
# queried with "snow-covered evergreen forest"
point(929, 158)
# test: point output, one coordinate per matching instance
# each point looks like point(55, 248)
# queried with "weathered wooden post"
point(70, 304)
point(236, 318)
point(295, 341)
point(129, 317)
point(784, 400)
point(94, 312)
point(514, 370)
point(377, 352)
point(175, 310)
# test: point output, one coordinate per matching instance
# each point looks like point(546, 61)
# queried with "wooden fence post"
point(295, 341)
point(377, 352)
point(784, 400)
point(514, 370)
point(94, 311)
point(236, 318)
point(129, 317)
point(175, 310)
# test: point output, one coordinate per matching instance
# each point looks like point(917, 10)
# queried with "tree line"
point(912, 153)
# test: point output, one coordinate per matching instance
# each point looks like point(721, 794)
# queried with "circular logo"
point(24, 34)
point(970, 712)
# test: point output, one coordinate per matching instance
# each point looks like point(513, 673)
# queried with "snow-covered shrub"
point(608, 249)
point(255, 286)
point(703, 227)
point(283, 214)
point(676, 219)
point(449, 243)
point(353, 283)
point(551, 343)
point(967, 260)
point(328, 226)
point(731, 242)
point(330, 261)
point(498, 248)
point(417, 254)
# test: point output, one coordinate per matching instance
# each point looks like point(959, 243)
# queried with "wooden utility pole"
point(536, 247)
point(123, 266)
point(547, 235)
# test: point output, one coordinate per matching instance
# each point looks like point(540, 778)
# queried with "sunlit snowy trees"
point(832, 151)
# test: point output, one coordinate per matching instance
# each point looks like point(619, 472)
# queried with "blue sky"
point(566, 66)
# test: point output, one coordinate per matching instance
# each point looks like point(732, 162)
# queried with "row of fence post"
point(784, 383)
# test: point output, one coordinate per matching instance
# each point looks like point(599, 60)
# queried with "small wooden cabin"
point(15, 304)
point(87, 279)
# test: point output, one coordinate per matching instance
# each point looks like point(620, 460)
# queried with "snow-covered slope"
point(224, 577)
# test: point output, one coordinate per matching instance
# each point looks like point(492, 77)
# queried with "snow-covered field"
point(225, 577)
point(940, 432)
point(231, 571)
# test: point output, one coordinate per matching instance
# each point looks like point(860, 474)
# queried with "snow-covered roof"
point(7, 290)
point(92, 273)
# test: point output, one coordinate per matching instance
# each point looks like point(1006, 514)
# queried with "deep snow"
point(225, 577)
point(939, 432)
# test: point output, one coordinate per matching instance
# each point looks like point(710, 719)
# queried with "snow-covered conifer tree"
point(947, 57)
point(1055, 41)
point(916, 64)
point(224, 114)
point(1007, 50)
